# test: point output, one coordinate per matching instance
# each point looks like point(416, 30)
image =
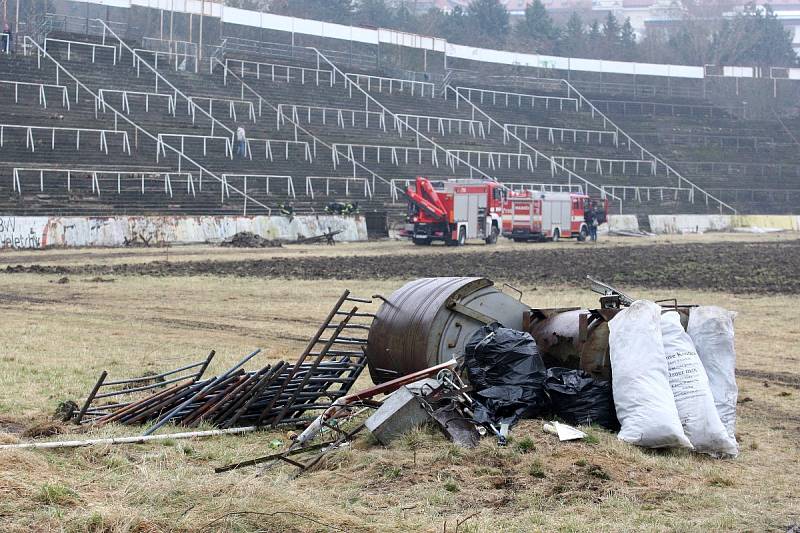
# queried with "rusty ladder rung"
point(341, 340)
point(349, 326)
point(370, 315)
point(359, 300)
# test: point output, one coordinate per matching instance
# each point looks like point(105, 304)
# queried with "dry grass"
point(57, 338)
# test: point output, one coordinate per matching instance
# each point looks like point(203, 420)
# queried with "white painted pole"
point(140, 439)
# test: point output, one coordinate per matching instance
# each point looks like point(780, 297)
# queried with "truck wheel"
point(492, 238)
point(583, 234)
point(556, 235)
point(421, 242)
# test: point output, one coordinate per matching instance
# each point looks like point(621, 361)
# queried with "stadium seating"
point(147, 131)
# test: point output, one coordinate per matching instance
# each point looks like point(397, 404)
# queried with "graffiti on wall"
point(22, 232)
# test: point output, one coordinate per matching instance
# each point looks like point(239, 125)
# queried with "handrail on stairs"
point(571, 88)
point(118, 115)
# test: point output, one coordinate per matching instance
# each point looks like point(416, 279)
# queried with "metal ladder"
point(327, 368)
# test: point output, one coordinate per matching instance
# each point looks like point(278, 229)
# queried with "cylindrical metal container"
point(428, 321)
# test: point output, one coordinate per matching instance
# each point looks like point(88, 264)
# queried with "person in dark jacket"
point(592, 218)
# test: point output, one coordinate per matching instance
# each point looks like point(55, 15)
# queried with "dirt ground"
point(769, 266)
point(59, 334)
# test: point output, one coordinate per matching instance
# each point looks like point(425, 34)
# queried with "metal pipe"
point(129, 440)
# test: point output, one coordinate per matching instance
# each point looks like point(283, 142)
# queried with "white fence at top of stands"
point(376, 36)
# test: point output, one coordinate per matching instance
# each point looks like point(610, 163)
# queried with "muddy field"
point(753, 267)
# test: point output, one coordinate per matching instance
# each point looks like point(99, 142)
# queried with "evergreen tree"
point(594, 41)
point(573, 39)
point(339, 11)
point(537, 29)
point(490, 19)
point(611, 36)
point(627, 42)
point(374, 13)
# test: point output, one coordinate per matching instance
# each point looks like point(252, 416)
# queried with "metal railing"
point(93, 46)
point(598, 163)
point(266, 177)
point(474, 127)
point(41, 52)
point(250, 108)
point(350, 150)
point(161, 145)
point(551, 131)
point(632, 143)
point(337, 179)
point(572, 102)
point(41, 91)
point(350, 83)
point(31, 143)
point(636, 192)
point(341, 115)
point(95, 174)
point(418, 88)
point(554, 166)
point(125, 95)
point(275, 72)
point(298, 127)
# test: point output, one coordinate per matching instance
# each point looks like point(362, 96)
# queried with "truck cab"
point(454, 211)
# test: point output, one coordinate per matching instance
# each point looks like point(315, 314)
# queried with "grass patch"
point(56, 494)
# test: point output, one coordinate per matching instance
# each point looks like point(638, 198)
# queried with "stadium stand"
point(99, 125)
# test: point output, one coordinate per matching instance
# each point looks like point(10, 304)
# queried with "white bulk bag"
point(711, 330)
point(691, 391)
point(640, 381)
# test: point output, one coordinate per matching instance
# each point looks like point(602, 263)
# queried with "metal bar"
point(91, 396)
point(166, 418)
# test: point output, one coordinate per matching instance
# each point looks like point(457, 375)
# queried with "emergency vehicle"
point(535, 215)
point(454, 211)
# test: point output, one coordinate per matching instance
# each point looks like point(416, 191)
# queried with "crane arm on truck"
point(426, 198)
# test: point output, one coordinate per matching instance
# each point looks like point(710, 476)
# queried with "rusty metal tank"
point(428, 321)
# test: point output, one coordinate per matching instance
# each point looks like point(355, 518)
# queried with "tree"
point(250, 5)
point(339, 11)
point(611, 36)
point(627, 42)
point(754, 37)
point(374, 13)
point(537, 29)
point(490, 19)
point(594, 40)
point(573, 38)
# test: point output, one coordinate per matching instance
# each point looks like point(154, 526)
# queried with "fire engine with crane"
point(456, 210)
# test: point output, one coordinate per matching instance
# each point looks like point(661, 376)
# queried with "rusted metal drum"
point(428, 321)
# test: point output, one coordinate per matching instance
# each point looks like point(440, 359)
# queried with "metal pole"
point(200, 46)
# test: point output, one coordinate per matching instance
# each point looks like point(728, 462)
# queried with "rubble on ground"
point(247, 239)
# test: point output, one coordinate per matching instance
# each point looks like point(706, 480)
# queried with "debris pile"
point(471, 360)
point(273, 394)
point(248, 239)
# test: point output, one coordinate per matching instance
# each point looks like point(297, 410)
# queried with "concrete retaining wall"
point(43, 232)
point(675, 224)
point(622, 223)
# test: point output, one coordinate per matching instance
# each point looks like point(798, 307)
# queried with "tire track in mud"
point(727, 267)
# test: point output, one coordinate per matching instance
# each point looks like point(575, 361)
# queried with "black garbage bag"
point(578, 398)
point(507, 374)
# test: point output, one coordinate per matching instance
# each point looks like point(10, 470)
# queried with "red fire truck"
point(536, 215)
point(455, 210)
